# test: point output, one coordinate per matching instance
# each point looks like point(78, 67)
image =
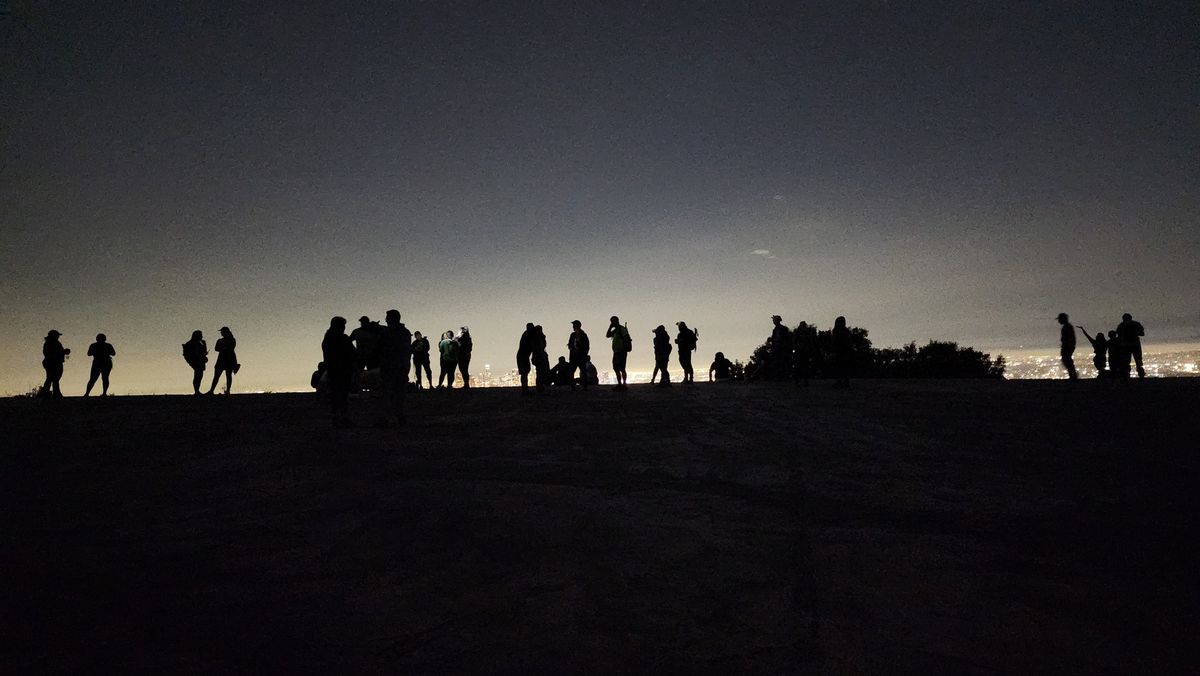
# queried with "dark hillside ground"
point(941, 527)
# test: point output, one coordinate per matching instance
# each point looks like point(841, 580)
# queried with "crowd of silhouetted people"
point(1113, 354)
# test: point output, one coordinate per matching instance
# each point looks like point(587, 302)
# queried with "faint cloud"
point(777, 197)
point(765, 253)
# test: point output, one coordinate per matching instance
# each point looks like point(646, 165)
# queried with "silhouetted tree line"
point(813, 356)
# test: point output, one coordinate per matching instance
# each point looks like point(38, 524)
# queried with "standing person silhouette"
point(781, 349)
point(1118, 356)
point(1067, 345)
point(195, 353)
point(1131, 333)
point(541, 360)
point(686, 340)
point(622, 345)
point(662, 356)
point(227, 363)
point(102, 354)
point(843, 352)
point(804, 348)
point(578, 347)
point(366, 343)
point(341, 363)
point(465, 345)
point(54, 355)
point(448, 349)
point(524, 352)
point(394, 351)
point(1099, 350)
point(420, 356)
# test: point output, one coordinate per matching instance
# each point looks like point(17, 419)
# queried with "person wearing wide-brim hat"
point(53, 357)
point(227, 362)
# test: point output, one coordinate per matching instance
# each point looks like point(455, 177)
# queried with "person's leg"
point(464, 365)
point(1137, 359)
point(197, 379)
point(92, 381)
point(46, 385)
point(104, 380)
point(216, 376)
point(56, 373)
point(451, 368)
point(228, 382)
point(1069, 363)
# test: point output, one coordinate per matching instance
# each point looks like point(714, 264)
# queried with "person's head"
point(529, 326)
point(320, 366)
point(446, 335)
point(720, 356)
point(660, 329)
point(802, 326)
point(197, 335)
point(52, 334)
point(576, 325)
point(776, 319)
point(464, 330)
point(562, 359)
point(1126, 317)
point(1099, 335)
point(1112, 334)
point(337, 323)
point(1063, 318)
point(614, 320)
point(392, 317)
point(839, 323)
point(363, 320)
point(101, 338)
point(229, 334)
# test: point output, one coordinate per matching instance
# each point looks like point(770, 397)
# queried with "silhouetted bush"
point(813, 357)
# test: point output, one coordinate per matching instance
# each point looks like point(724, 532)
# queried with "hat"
point(576, 323)
point(1061, 315)
point(777, 317)
point(52, 334)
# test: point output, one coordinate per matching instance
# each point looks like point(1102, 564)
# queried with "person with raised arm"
point(622, 345)
point(1099, 350)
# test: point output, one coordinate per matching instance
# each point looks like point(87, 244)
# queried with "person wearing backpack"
point(195, 353)
point(622, 345)
point(686, 340)
point(448, 349)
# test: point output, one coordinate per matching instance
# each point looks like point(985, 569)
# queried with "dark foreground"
point(946, 527)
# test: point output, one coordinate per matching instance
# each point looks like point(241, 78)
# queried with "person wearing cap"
point(395, 350)
point(341, 361)
point(465, 345)
point(366, 342)
point(226, 349)
point(1130, 333)
point(578, 347)
point(53, 357)
point(622, 345)
point(781, 349)
point(1067, 344)
point(102, 354)
point(686, 340)
point(420, 357)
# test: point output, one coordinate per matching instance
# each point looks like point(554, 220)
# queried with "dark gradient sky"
point(947, 170)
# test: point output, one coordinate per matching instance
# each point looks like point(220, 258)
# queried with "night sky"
point(960, 171)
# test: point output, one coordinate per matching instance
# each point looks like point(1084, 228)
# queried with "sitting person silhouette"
point(721, 369)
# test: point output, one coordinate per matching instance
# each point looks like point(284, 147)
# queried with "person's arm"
point(710, 372)
point(609, 333)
